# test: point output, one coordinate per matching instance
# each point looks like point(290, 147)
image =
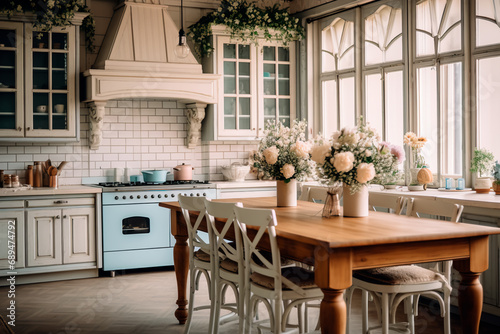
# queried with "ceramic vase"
point(482, 185)
point(286, 193)
point(355, 205)
point(496, 187)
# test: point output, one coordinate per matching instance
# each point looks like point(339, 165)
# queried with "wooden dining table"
point(337, 246)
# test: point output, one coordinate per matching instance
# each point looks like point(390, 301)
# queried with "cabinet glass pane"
point(284, 79)
point(40, 40)
point(230, 51)
point(284, 111)
point(60, 41)
point(7, 38)
point(59, 71)
point(244, 51)
point(7, 69)
point(283, 54)
point(270, 107)
point(230, 113)
point(269, 79)
point(269, 53)
point(40, 111)
point(229, 77)
point(244, 118)
point(59, 111)
point(7, 110)
point(244, 78)
point(40, 70)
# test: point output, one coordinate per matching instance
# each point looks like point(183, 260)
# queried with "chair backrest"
point(315, 194)
point(396, 204)
point(219, 210)
point(196, 204)
point(418, 206)
point(265, 220)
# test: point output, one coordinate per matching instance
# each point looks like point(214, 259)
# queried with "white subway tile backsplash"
point(137, 134)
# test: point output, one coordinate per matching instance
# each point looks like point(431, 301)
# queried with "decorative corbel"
point(195, 113)
point(96, 120)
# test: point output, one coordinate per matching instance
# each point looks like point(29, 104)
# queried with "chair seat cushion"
point(229, 265)
point(269, 257)
point(299, 276)
point(202, 256)
point(396, 275)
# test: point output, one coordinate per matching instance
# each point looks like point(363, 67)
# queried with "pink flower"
point(365, 172)
point(301, 149)
point(287, 170)
point(271, 154)
point(398, 153)
point(343, 162)
point(319, 153)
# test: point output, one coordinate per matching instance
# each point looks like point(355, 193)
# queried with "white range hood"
point(137, 60)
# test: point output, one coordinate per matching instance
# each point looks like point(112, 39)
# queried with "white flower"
point(343, 162)
point(368, 153)
point(319, 153)
point(350, 136)
point(301, 149)
point(288, 170)
point(365, 172)
point(271, 155)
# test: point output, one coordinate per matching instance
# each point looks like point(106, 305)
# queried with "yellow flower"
point(409, 138)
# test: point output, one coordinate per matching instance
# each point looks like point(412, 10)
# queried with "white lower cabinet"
point(78, 232)
point(44, 238)
point(11, 234)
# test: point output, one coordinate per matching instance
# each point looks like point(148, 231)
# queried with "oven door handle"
point(61, 202)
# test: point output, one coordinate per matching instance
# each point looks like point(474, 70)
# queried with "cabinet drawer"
point(59, 202)
point(11, 204)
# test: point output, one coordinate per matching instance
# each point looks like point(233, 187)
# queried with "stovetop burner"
point(134, 184)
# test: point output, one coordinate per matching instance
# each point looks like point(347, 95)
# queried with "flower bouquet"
point(417, 159)
point(283, 154)
point(356, 157)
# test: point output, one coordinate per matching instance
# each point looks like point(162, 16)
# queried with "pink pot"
point(183, 172)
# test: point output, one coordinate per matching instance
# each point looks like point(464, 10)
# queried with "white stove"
point(136, 230)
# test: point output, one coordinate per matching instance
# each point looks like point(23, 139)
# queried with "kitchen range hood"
point(137, 60)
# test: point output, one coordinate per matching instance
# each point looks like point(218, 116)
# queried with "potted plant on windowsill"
point(482, 163)
point(496, 176)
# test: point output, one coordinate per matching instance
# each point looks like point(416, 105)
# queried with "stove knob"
point(198, 194)
point(204, 194)
point(145, 196)
point(172, 195)
point(153, 196)
point(124, 197)
point(159, 195)
point(138, 196)
point(166, 195)
point(131, 197)
point(191, 195)
point(116, 197)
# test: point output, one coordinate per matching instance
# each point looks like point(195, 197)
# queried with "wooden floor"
point(139, 302)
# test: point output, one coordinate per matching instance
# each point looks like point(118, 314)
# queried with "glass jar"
point(7, 183)
point(14, 180)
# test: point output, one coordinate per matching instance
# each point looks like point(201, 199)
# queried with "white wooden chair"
point(392, 285)
point(312, 193)
point(279, 289)
point(394, 204)
point(201, 260)
point(229, 264)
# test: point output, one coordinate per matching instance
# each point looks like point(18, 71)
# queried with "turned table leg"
point(470, 302)
point(333, 312)
point(181, 263)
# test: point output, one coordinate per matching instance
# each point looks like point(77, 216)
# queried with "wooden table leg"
point(181, 264)
point(333, 312)
point(470, 302)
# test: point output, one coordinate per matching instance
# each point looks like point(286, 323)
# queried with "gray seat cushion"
point(396, 275)
point(229, 265)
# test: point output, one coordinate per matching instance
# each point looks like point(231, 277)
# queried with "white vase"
point(286, 193)
point(414, 176)
point(482, 185)
point(355, 205)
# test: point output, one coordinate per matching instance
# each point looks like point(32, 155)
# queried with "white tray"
point(465, 189)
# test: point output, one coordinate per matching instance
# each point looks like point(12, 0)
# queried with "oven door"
point(134, 227)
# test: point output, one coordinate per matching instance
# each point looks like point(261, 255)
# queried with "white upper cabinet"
point(258, 85)
point(38, 83)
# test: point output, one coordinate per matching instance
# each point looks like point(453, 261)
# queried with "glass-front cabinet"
point(38, 79)
point(258, 85)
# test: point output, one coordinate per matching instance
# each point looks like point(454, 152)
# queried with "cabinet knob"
point(65, 216)
point(58, 217)
point(253, 129)
point(28, 128)
point(19, 129)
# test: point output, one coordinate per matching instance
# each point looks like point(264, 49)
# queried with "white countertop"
point(62, 190)
point(466, 198)
point(243, 184)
